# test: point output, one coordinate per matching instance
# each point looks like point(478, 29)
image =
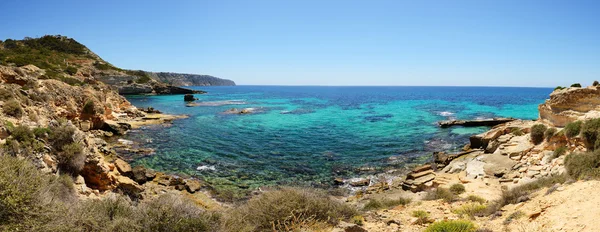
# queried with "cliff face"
point(182, 79)
point(571, 104)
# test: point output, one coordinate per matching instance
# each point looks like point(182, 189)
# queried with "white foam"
point(206, 168)
point(446, 113)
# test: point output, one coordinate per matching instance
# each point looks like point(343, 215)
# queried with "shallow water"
point(309, 135)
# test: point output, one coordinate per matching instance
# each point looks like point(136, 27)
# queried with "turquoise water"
point(309, 135)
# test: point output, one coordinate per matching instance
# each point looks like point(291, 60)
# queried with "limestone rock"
point(123, 166)
point(571, 104)
point(192, 185)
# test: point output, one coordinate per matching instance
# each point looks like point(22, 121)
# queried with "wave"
point(445, 113)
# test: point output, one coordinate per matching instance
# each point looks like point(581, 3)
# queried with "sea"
point(309, 135)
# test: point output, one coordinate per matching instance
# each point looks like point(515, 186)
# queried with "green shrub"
point(71, 70)
point(475, 198)
point(61, 135)
point(559, 152)
point(20, 182)
point(12, 108)
point(41, 132)
point(537, 133)
point(516, 131)
point(572, 129)
point(513, 216)
point(550, 133)
point(277, 209)
point(583, 165)
point(385, 203)
point(559, 88)
point(22, 133)
point(440, 193)
point(452, 226)
point(422, 217)
point(90, 108)
point(595, 83)
point(71, 159)
point(457, 188)
point(589, 131)
point(576, 85)
point(470, 210)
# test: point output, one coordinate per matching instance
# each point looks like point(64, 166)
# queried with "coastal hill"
point(182, 79)
point(67, 60)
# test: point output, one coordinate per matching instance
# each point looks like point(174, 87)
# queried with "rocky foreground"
point(507, 179)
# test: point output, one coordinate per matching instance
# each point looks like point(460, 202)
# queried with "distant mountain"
point(183, 79)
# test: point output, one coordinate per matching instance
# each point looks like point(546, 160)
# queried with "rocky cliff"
point(570, 104)
point(182, 79)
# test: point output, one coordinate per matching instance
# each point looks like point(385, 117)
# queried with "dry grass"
point(452, 226)
point(284, 208)
point(441, 193)
point(470, 210)
point(373, 204)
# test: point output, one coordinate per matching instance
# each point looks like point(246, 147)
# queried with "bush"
point(470, 209)
point(513, 216)
point(12, 108)
point(583, 165)
point(71, 70)
point(174, 213)
point(61, 135)
point(457, 189)
point(559, 88)
point(537, 133)
point(22, 133)
point(90, 108)
point(559, 152)
point(595, 83)
point(452, 226)
point(516, 131)
point(576, 85)
point(440, 193)
point(285, 208)
point(572, 129)
point(589, 131)
point(422, 217)
point(550, 133)
point(478, 199)
point(20, 184)
point(385, 203)
point(71, 159)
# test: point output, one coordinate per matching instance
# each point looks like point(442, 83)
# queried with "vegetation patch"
point(385, 203)
point(550, 132)
point(12, 108)
point(513, 216)
point(441, 193)
point(470, 210)
point(422, 217)
point(583, 165)
point(558, 152)
point(475, 198)
point(537, 133)
point(590, 131)
point(573, 129)
point(452, 226)
point(457, 189)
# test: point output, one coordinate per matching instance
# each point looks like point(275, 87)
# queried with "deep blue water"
point(309, 135)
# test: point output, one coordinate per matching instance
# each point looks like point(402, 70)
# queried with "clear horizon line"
point(480, 86)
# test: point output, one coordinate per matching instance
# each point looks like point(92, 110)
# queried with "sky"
point(305, 42)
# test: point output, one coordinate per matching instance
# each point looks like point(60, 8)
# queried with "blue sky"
point(479, 42)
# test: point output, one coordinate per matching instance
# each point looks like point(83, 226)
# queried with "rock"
point(192, 185)
point(338, 181)
point(349, 227)
point(129, 187)
point(117, 128)
point(123, 166)
point(570, 104)
point(475, 169)
point(189, 97)
point(360, 183)
point(139, 175)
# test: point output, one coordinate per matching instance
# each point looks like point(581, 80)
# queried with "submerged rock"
point(189, 97)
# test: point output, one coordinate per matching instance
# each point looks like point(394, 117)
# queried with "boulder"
point(360, 183)
point(119, 128)
point(138, 174)
point(570, 104)
point(123, 167)
point(189, 97)
point(192, 185)
point(129, 187)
